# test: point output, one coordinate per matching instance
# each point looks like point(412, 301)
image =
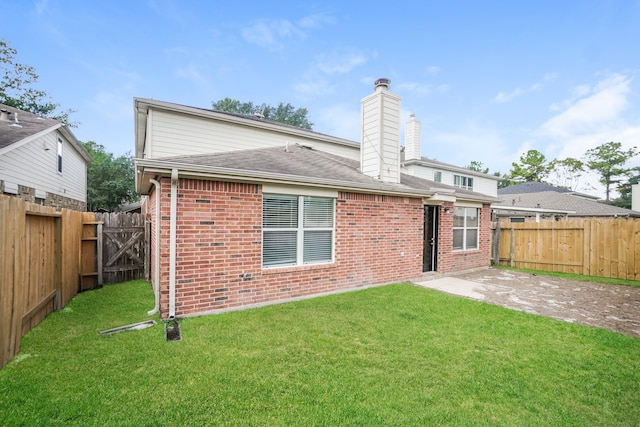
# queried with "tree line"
point(608, 161)
point(110, 179)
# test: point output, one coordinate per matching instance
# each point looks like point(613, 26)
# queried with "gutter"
point(156, 251)
point(172, 244)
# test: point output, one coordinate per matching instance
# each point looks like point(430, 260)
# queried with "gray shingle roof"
point(28, 124)
point(304, 162)
point(563, 201)
point(535, 187)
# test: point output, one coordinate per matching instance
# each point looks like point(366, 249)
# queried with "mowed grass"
point(392, 355)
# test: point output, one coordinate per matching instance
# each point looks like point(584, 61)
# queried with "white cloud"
point(590, 113)
point(339, 63)
point(420, 88)
point(433, 70)
point(314, 81)
point(503, 97)
point(311, 87)
point(315, 21)
point(272, 34)
point(192, 73)
point(340, 120)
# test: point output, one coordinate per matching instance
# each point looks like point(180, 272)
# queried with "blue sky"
point(488, 80)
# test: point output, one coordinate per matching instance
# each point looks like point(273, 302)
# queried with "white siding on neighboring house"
point(35, 165)
point(174, 134)
point(481, 185)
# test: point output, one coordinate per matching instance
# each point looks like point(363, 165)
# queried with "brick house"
point(288, 213)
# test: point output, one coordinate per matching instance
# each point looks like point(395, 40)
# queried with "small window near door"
point(516, 219)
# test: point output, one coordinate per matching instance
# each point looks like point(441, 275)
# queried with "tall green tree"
point(566, 173)
point(110, 179)
point(283, 113)
point(17, 88)
point(533, 167)
point(608, 160)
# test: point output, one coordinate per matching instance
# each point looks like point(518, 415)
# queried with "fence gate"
point(124, 237)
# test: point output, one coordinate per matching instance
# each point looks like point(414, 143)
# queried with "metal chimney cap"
point(382, 83)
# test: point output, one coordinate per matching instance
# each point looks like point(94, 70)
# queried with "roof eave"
point(152, 169)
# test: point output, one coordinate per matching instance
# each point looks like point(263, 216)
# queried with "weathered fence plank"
point(123, 246)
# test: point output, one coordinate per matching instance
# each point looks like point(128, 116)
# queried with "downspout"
point(172, 244)
point(156, 250)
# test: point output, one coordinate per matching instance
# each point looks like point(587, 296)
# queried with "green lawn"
point(392, 355)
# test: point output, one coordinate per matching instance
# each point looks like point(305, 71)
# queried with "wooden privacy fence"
point(123, 254)
point(593, 247)
point(39, 266)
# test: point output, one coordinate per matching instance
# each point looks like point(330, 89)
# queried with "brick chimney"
point(412, 139)
point(380, 139)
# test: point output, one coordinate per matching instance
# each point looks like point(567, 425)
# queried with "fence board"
point(607, 247)
point(39, 266)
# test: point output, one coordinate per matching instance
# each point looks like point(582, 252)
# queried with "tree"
point(110, 180)
point(477, 166)
point(566, 173)
point(16, 88)
point(283, 113)
point(608, 161)
point(624, 201)
point(533, 167)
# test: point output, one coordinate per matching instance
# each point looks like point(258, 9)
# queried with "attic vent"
point(15, 121)
point(307, 146)
point(382, 83)
point(4, 115)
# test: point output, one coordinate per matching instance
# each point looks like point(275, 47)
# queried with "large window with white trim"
point(462, 181)
point(465, 228)
point(297, 230)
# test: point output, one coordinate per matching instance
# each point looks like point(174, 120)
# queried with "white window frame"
point(466, 227)
point(59, 156)
point(437, 176)
point(300, 231)
point(462, 181)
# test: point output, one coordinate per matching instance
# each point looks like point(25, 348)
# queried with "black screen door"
point(430, 251)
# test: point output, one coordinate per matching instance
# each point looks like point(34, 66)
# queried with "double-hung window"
point(462, 181)
point(465, 228)
point(297, 230)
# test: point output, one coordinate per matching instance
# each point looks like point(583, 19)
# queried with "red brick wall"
point(219, 235)
point(450, 260)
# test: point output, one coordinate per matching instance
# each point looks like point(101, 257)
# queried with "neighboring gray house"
point(528, 200)
point(41, 161)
